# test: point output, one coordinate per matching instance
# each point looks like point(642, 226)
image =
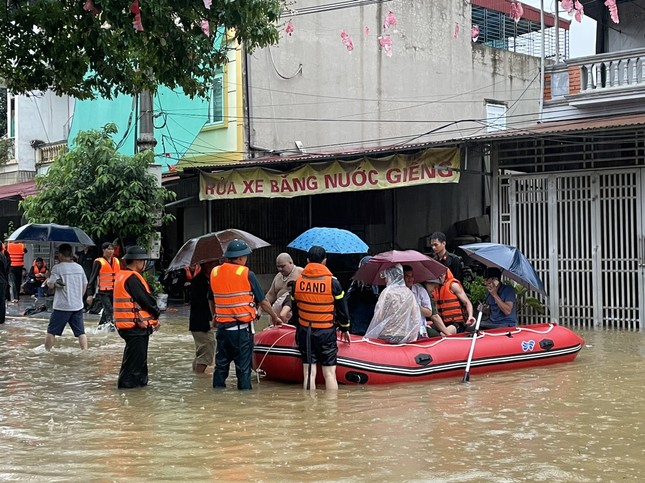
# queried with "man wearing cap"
point(501, 301)
point(319, 307)
point(101, 282)
point(236, 296)
point(136, 316)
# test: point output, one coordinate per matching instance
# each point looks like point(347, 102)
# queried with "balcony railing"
point(610, 71)
point(7, 152)
point(49, 151)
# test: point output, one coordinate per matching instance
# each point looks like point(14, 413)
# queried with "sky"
point(582, 36)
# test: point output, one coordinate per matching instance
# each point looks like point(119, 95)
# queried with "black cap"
point(136, 253)
point(316, 254)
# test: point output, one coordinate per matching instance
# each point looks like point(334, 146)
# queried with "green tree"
point(101, 191)
point(81, 48)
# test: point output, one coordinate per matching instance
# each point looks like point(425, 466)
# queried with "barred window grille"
point(499, 30)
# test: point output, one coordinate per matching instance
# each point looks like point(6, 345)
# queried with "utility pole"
point(146, 139)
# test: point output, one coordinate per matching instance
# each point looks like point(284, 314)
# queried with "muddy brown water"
point(62, 418)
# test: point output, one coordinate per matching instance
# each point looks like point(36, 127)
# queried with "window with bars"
point(500, 31)
point(217, 101)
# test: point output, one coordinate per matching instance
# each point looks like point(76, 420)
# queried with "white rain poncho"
point(396, 315)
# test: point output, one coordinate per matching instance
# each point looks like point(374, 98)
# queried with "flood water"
point(62, 418)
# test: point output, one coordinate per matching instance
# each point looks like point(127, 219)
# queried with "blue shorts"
point(60, 318)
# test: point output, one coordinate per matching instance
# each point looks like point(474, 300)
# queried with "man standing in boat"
point(319, 305)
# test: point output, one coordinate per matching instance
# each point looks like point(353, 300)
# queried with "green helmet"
point(237, 248)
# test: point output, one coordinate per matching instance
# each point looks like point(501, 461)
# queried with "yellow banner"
point(397, 171)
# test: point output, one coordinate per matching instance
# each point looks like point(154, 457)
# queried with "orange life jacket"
point(232, 294)
point(107, 273)
point(127, 313)
point(42, 269)
point(191, 272)
point(448, 305)
point(314, 297)
point(16, 253)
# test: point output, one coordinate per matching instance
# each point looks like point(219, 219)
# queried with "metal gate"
point(583, 232)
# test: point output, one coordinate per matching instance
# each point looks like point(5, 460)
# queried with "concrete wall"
point(42, 116)
point(224, 142)
point(334, 99)
point(629, 34)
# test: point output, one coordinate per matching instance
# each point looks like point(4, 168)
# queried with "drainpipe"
point(541, 61)
point(557, 33)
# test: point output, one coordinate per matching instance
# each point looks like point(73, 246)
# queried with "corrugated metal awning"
point(22, 190)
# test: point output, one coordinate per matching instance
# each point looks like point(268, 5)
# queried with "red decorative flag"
point(474, 33)
point(367, 30)
point(390, 20)
point(136, 23)
point(386, 42)
point(456, 32)
point(289, 28)
point(516, 11)
point(206, 28)
point(347, 41)
point(89, 6)
point(613, 10)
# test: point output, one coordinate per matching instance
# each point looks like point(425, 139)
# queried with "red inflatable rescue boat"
point(371, 361)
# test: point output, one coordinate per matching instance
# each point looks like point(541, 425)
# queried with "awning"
point(22, 190)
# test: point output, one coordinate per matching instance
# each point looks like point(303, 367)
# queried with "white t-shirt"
point(423, 299)
point(70, 296)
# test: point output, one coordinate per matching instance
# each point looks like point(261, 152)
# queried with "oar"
point(472, 347)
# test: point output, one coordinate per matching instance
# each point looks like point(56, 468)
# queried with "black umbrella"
point(50, 233)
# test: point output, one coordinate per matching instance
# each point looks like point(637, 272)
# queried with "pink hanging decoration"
point(386, 42)
point(516, 11)
point(613, 10)
point(136, 23)
point(289, 28)
point(567, 5)
point(474, 33)
point(367, 30)
point(390, 20)
point(580, 11)
point(347, 41)
point(88, 6)
point(207, 4)
point(456, 32)
point(206, 28)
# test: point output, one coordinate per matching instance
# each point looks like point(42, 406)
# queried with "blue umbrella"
point(50, 233)
point(333, 240)
point(509, 260)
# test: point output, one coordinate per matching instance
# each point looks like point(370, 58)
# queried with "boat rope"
point(258, 370)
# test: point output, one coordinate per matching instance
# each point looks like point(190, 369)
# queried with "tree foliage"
point(60, 45)
point(101, 191)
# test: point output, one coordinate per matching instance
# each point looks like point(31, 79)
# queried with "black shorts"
point(324, 347)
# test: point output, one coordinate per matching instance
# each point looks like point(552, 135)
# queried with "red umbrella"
point(423, 267)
